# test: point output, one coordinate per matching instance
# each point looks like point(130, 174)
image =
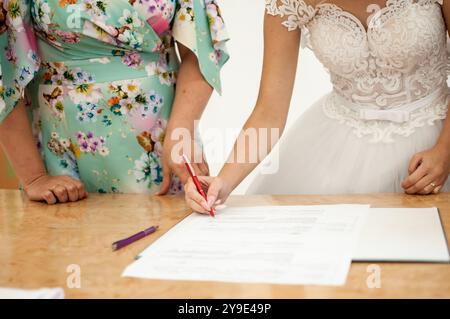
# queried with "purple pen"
point(125, 242)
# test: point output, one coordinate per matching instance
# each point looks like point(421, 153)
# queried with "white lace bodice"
point(378, 73)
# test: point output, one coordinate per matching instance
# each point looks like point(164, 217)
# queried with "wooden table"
point(40, 242)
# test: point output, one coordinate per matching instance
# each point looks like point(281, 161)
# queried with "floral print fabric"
point(100, 77)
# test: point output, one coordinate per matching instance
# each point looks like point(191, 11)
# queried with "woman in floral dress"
point(102, 85)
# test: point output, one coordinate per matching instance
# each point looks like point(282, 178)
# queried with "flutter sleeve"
point(19, 61)
point(199, 26)
point(296, 14)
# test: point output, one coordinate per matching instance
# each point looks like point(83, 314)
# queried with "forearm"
point(192, 94)
point(248, 151)
point(18, 143)
point(281, 52)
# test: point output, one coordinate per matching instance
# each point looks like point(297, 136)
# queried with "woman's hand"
point(428, 171)
point(216, 189)
point(173, 163)
point(55, 189)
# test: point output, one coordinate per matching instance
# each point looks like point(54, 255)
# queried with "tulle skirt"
point(321, 155)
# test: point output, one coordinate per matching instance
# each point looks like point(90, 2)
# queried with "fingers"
point(213, 192)
point(75, 188)
point(54, 189)
point(414, 163)
point(425, 179)
point(81, 190)
point(423, 187)
point(432, 188)
point(194, 199)
point(196, 207)
point(437, 190)
point(49, 198)
point(61, 193)
point(70, 190)
point(412, 179)
point(439, 184)
point(433, 183)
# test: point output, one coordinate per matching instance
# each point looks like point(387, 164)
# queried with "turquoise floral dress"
point(100, 79)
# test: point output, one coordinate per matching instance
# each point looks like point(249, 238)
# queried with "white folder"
point(402, 235)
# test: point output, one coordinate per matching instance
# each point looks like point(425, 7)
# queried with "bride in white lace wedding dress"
point(383, 127)
point(389, 98)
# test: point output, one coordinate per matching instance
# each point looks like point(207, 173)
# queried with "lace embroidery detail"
point(271, 7)
point(298, 13)
point(399, 59)
point(384, 131)
point(392, 65)
point(387, 65)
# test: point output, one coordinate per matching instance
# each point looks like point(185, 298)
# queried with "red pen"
point(196, 181)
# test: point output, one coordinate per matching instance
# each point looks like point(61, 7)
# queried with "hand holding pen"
point(199, 194)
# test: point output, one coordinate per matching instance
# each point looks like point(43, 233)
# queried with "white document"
point(43, 293)
point(271, 244)
point(402, 234)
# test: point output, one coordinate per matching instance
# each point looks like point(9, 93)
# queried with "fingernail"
point(437, 189)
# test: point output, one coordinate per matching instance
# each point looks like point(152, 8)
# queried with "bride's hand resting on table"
point(55, 189)
point(216, 189)
point(428, 171)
